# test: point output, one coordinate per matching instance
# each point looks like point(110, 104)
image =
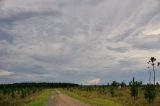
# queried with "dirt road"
point(59, 99)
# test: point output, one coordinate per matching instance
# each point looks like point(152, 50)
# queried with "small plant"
point(134, 89)
point(112, 91)
point(101, 89)
point(13, 93)
point(150, 93)
point(23, 93)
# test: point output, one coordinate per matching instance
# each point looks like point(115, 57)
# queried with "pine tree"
point(150, 93)
point(134, 89)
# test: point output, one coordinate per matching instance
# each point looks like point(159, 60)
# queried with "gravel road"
point(59, 99)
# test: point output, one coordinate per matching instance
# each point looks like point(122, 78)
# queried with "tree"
point(134, 88)
point(150, 93)
point(112, 90)
point(123, 84)
point(150, 74)
point(158, 64)
point(157, 84)
point(115, 84)
point(152, 61)
point(139, 83)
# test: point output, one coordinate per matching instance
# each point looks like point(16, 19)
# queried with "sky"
point(78, 41)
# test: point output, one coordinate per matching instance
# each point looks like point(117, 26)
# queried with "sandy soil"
point(59, 99)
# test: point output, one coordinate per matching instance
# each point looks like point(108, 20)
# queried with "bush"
point(150, 93)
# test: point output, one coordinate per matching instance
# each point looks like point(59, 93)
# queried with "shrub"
point(134, 89)
point(23, 93)
point(13, 93)
point(112, 91)
point(150, 93)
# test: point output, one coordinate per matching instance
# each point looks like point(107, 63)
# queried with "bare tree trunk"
point(154, 76)
point(150, 74)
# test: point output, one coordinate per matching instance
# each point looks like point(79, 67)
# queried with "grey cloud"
point(120, 49)
point(127, 63)
point(151, 14)
point(6, 36)
point(10, 20)
point(124, 35)
point(78, 3)
point(76, 39)
point(54, 60)
point(147, 45)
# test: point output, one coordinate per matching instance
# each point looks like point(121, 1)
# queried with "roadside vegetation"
point(27, 94)
point(38, 99)
point(94, 99)
point(143, 95)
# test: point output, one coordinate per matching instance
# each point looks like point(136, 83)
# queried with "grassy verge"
point(92, 101)
point(39, 99)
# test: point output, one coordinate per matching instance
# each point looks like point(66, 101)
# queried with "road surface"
point(59, 99)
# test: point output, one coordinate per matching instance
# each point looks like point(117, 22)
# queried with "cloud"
point(77, 39)
point(94, 82)
point(5, 73)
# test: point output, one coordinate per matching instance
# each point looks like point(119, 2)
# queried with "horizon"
point(78, 41)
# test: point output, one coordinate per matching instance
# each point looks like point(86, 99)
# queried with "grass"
point(94, 97)
point(122, 97)
point(92, 101)
point(39, 99)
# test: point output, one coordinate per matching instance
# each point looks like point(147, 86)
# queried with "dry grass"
point(122, 96)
